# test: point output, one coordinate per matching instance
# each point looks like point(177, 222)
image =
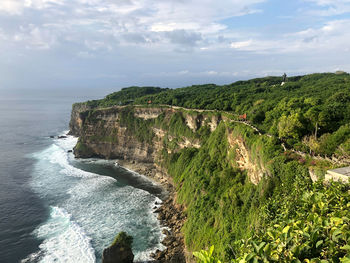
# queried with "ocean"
point(55, 208)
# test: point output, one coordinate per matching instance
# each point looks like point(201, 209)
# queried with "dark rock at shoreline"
point(170, 214)
point(62, 137)
point(70, 151)
point(52, 137)
point(120, 250)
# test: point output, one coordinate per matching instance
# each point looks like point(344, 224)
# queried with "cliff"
point(141, 134)
point(156, 137)
point(236, 163)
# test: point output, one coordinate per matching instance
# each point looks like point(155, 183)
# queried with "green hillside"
point(285, 217)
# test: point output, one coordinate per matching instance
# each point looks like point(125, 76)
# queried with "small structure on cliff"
point(340, 174)
point(120, 250)
point(284, 79)
point(243, 117)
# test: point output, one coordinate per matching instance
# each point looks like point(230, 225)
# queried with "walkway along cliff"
point(156, 141)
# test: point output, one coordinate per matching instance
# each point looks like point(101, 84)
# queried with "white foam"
point(140, 175)
point(64, 241)
point(99, 205)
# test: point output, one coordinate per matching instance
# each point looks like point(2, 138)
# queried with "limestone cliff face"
point(140, 134)
point(76, 121)
point(103, 136)
point(104, 133)
point(243, 159)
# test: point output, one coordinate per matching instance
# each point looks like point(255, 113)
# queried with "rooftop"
point(339, 174)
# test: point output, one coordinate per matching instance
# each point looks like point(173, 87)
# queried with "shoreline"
point(169, 213)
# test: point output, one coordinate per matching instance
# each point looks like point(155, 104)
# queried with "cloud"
point(104, 24)
point(172, 25)
point(330, 7)
point(241, 44)
point(183, 37)
point(331, 36)
point(16, 7)
point(34, 37)
point(212, 40)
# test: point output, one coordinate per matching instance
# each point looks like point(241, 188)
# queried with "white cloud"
point(97, 45)
point(168, 25)
point(200, 36)
point(330, 7)
point(34, 37)
point(11, 7)
point(101, 24)
point(241, 44)
point(16, 7)
point(332, 36)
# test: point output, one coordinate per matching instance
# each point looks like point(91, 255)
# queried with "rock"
point(70, 151)
point(120, 250)
point(52, 137)
point(62, 137)
point(166, 232)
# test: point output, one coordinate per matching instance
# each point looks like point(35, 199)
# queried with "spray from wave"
point(87, 210)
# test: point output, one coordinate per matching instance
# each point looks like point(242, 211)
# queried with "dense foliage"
point(305, 112)
point(285, 217)
point(125, 96)
point(317, 230)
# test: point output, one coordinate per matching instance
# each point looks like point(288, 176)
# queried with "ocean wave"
point(64, 241)
point(90, 206)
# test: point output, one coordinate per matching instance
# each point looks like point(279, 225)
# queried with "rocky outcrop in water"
point(120, 250)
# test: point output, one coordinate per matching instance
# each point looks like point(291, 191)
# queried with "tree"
point(313, 115)
point(290, 126)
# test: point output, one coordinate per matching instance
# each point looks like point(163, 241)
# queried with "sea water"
point(55, 208)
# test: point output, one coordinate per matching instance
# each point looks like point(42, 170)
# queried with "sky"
point(95, 44)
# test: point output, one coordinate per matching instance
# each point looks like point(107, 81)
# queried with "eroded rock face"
point(102, 134)
point(148, 113)
point(120, 251)
point(76, 121)
point(243, 160)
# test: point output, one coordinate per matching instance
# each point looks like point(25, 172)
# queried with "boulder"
point(120, 251)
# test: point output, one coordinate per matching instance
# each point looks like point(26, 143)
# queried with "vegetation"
point(125, 96)
point(304, 112)
point(123, 240)
point(137, 127)
point(206, 256)
point(285, 217)
point(317, 230)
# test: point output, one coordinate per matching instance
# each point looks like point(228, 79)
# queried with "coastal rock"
point(120, 250)
point(171, 215)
